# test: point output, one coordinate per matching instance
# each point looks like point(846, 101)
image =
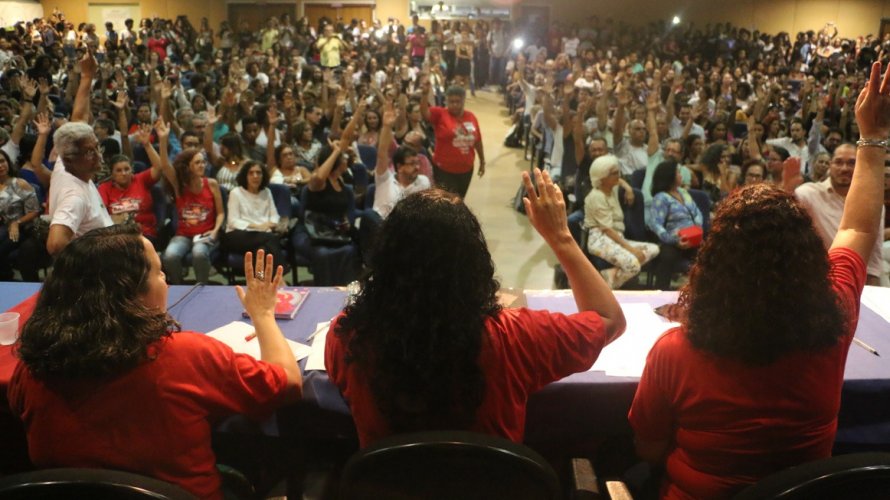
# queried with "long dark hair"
point(89, 320)
point(759, 288)
point(422, 349)
point(664, 177)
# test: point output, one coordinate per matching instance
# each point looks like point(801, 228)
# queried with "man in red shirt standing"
point(458, 140)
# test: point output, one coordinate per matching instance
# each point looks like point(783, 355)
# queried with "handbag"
point(692, 234)
point(325, 230)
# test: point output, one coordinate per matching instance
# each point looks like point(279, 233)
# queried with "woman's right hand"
point(263, 280)
point(873, 105)
point(546, 208)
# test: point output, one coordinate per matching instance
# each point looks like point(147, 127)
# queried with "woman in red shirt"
point(200, 213)
point(107, 380)
point(750, 383)
point(458, 140)
point(455, 359)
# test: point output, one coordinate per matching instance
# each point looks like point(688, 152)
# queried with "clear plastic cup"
point(9, 328)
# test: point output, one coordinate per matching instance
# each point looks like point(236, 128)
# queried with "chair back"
point(281, 197)
point(637, 178)
point(634, 216)
point(95, 484)
point(162, 207)
point(360, 177)
point(703, 201)
point(368, 202)
point(446, 465)
point(863, 476)
point(368, 155)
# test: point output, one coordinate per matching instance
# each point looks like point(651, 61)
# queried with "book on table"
point(289, 302)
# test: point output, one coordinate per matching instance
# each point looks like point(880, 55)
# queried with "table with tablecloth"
point(564, 415)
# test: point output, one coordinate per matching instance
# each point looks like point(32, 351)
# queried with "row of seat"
point(456, 464)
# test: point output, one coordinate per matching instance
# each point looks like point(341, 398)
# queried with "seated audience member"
point(397, 178)
point(281, 161)
point(107, 380)
point(126, 196)
point(672, 209)
point(74, 202)
point(18, 208)
point(405, 363)
point(253, 221)
point(825, 203)
point(604, 221)
point(746, 388)
point(200, 215)
point(306, 146)
point(753, 172)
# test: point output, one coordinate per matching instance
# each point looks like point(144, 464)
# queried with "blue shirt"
point(669, 215)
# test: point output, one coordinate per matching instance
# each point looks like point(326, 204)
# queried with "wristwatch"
point(873, 143)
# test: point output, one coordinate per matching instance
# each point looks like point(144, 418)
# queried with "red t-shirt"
point(197, 212)
point(154, 420)
point(455, 139)
point(731, 424)
point(135, 198)
point(523, 351)
point(159, 46)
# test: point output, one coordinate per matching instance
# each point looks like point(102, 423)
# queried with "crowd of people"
point(716, 149)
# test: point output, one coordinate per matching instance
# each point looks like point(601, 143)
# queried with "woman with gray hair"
point(604, 221)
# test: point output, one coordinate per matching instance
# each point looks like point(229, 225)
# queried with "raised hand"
point(44, 87)
point(122, 100)
point(873, 105)
point(43, 124)
point(389, 114)
point(88, 65)
point(29, 87)
point(212, 117)
point(652, 102)
point(162, 129)
point(263, 280)
point(546, 208)
point(272, 115)
point(166, 89)
point(143, 134)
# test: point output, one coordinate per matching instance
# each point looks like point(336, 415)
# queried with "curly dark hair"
point(423, 348)
point(89, 320)
point(759, 288)
point(241, 178)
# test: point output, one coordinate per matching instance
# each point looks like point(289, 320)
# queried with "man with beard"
point(825, 203)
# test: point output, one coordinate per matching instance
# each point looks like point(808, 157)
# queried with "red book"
point(289, 302)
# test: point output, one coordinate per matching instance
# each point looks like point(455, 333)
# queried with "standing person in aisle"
point(458, 140)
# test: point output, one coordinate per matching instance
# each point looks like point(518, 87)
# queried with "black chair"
point(164, 212)
point(368, 201)
point(447, 465)
point(368, 155)
point(703, 201)
point(95, 484)
point(637, 178)
point(863, 476)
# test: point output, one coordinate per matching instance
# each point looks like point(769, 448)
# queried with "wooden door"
point(257, 15)
point(342, 13)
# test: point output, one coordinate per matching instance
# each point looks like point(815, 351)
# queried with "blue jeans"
point(178, 248)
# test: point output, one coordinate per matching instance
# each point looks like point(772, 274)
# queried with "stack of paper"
point(237, 333)
point(316, 356)
point(878, 300)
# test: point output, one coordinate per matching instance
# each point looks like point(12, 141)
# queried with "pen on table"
point(866, 346)
point(250, 337)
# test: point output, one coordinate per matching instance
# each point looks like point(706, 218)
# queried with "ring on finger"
point(260, 275)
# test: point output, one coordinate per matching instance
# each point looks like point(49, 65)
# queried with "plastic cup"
point(9, 328)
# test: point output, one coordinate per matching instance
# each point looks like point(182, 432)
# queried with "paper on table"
point(316, 356)
point(234, 333)
point(626, 356)
point(878, 300)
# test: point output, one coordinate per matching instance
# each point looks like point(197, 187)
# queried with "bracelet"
point(873, 143)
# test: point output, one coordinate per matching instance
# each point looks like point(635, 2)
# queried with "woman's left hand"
point(263, 280)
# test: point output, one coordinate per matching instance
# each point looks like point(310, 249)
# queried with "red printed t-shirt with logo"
point(197, 212)
point(455, 139)
point(135, 198)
